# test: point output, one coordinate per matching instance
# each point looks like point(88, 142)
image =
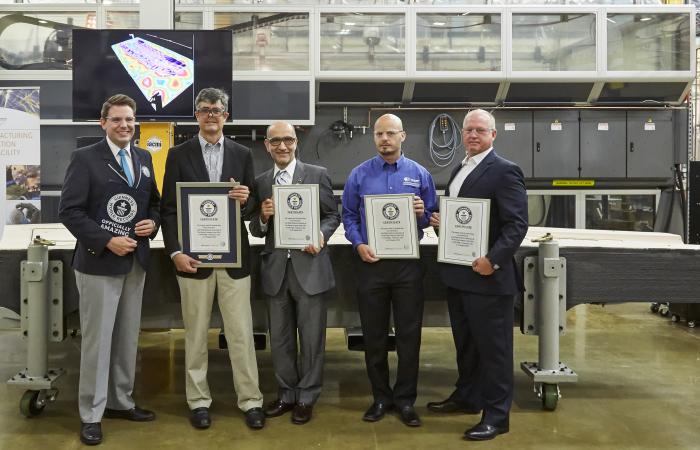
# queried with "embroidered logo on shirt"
point(145, 171)
point(408, 181)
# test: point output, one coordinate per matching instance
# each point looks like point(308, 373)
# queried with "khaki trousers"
point(234, 303)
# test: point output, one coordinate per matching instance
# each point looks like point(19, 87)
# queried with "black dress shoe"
point(451, 406)
point(91, 433)
point(277, 408)
point(255, 418)
point(135, 414)
point(199, 418)
point(376, 412)
point(409, 417)
point(483, 432)
point(301, 413)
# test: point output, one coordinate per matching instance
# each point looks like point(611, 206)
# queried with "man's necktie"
point(125, 167)
point(282, 177)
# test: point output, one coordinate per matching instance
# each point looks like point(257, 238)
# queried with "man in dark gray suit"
point(295, 280)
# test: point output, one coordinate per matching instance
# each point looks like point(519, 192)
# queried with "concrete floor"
point(639, 386)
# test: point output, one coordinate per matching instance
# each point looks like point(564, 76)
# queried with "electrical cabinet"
point(603, 140)
point(649, 144)
point(556, 149)
point(514, 138)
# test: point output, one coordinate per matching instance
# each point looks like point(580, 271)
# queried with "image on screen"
point(162, 70)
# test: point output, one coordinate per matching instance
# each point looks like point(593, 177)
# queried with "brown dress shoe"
point(277, 407)
point(301, 413)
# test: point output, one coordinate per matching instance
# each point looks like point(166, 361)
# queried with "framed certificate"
point(297, 215)
point(464, 229)
point(209, 223)
point(392, 231)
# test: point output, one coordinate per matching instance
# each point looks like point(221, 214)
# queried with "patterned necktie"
point(282, 177)
point(209, 151)
point(125, 167)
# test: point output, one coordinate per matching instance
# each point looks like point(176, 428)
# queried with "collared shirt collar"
point(290, 170)
point(381, 163)
point(203, 142)
point(477, 158)
point(115, 149)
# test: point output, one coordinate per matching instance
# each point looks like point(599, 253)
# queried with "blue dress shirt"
point(377, 177)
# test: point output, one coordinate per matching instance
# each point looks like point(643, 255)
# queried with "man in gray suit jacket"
point(295, 280)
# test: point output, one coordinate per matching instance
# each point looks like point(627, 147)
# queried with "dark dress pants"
point(382, 287)
point(482, 327)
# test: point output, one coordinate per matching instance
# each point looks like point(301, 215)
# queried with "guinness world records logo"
point(294, 201)
point(208, 208)
point(121, 208)
point(463, 215)
point(390, 211)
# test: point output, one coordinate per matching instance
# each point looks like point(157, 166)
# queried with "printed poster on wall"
point(20, 156)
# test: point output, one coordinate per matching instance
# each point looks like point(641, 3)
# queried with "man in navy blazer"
point(480, 298)
point(212, 157)
point(109, 203)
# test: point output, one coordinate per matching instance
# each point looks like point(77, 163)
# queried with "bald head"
point(388, 136)
point(281, 143)
point(481, 113)
point(280, 127)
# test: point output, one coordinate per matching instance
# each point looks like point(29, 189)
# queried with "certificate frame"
point(290, 200)
point(379, 219)
point(228, 256)
point(462, 219)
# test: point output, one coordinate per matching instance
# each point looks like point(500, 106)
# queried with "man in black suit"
point(295, 280)
point(480, 298)
point(109, 203)
point(212, 157)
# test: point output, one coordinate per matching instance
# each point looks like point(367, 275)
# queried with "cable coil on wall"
point(443, 148)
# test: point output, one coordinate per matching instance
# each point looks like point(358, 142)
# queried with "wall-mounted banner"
point(20, 156)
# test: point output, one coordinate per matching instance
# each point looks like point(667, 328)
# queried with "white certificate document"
point(297, 215)
point(208, 225)
point(392, 231)
point(464, 229)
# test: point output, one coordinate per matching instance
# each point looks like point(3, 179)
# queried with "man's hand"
point(314, 250)
point(418, 206)
point(482, 266)
point(185, 263)
point(366, 253)
point(121, 245)
point(240, 193)
point(145, 227)
point(267, 210)
point(435, 220)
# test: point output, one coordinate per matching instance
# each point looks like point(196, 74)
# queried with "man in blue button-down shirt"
point(386, 284)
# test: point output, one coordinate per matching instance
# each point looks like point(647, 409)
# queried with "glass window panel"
point(648, 41)
point(362, 41)
point(40, 40)
point(268, 41)
point(621, 212)
point(189, 20)
point(120, 2)
point(551, 211)
point(554, 42)
point(121, 19)
point(458, 42)
point(7, 2)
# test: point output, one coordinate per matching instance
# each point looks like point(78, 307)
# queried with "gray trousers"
point(299, 380)
point(110, 318)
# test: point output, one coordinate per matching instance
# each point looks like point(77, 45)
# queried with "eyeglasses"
point(215, 112)
point(477, 130)
point(277, 141)
point(390, 134)
point(117, 120)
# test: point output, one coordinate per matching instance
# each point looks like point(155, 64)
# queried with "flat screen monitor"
point(162, 70)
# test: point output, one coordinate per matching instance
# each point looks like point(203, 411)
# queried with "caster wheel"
point(654, 307)
point(29, 405)
point(675, 318)
point(691, 324)
point(663, 310)
point(550, 396)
